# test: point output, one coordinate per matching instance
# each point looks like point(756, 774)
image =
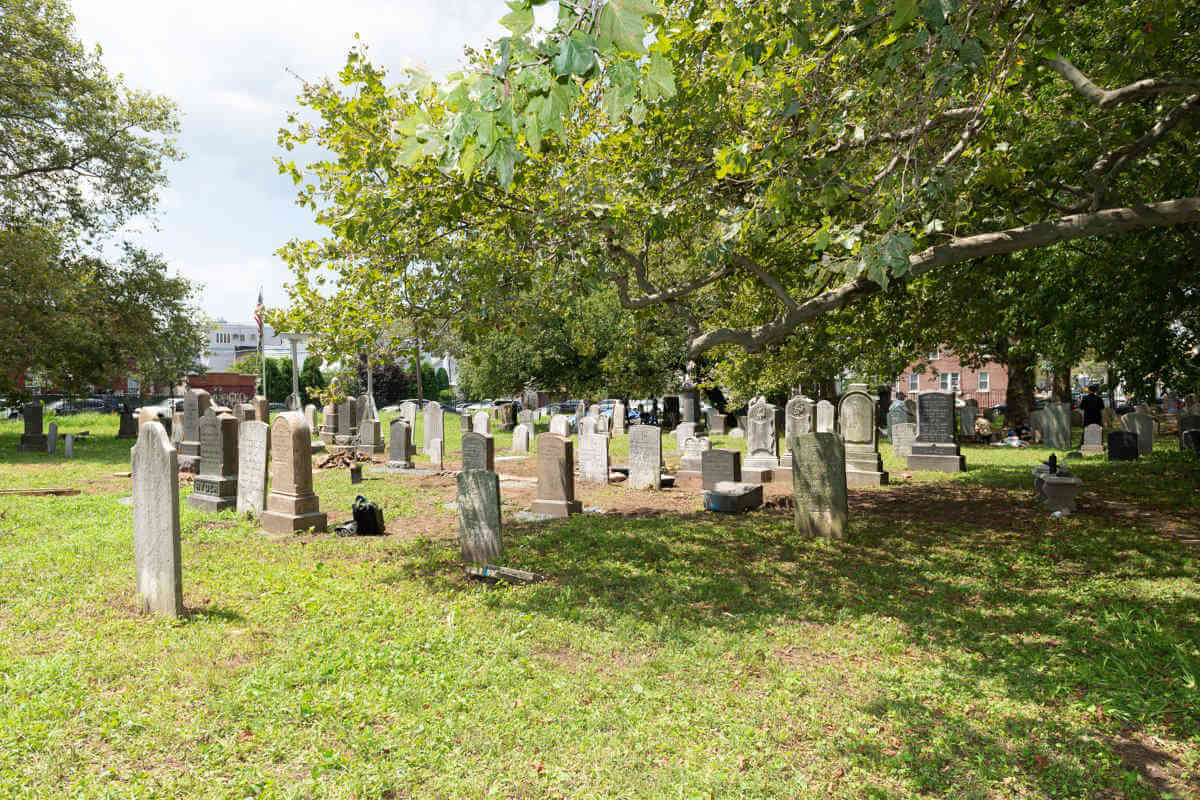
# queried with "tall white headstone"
point(156, 522)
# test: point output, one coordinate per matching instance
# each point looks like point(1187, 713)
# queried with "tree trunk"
point(1019, 397)
point(1060, 379)
point(420, 394)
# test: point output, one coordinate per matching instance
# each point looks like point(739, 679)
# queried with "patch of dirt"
point(1150, 758)
point(949, 503)
point(573, 660)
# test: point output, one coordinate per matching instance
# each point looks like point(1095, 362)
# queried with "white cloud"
point(231, 67)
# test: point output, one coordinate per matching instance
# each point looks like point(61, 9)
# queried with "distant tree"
point(311, 380)
point(443, 379)
point(392, 382)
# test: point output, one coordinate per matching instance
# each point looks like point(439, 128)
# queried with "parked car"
point(63, 408)
point(276, 407)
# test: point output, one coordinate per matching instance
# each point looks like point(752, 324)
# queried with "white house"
point(228, 342)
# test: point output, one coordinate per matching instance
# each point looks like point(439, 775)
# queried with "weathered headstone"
point(128, 425)
point(262, 409)
point(819, 485)
point(903, 436)
point(1057, 421)
point(825, 417)
point(436, 453)
point(400, 445)
point(1143, 425)
point(691, 462)
point(408, 413)
point(310, 416)
point(936, 448)
point(253, 452)
point(587, 426)
point(434, 425)
point(670, 415)
point(52, 437)
point(522, 437)
point(560, 425)
point(593, 458)
point(1122, 446)
point(174, 426)
point(155, 414)
point(69, 445)
point(762, 458)
point(526, 417)
point(1189, 441)
point(682, 431)
point(689, 406)
point(556, 477)
point(370, 430)
point(896, 415)
point(195, 404)
point(347, 420)
point(1093, 441)
point(967, 413)
point(720, 466)
point(618, 419)
point(155, 467)
point(215, 487)
point(478, 451)
point(602, 425)
point(291, 504)
point(245, 412)
point(479, 531)
point(716, 422)
point(465, 423)
point(860, 437)
point(645, 457)
point(733, 498)
point(799, 417)
point(1188, 422)
point(481, 422)
point(329, 424)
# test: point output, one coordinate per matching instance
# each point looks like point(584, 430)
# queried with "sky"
point(228, 66)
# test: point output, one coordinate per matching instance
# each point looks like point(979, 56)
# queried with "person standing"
point(1092, 406)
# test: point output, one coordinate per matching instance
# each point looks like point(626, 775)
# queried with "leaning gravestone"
point(215, 487)
point(560, 425)
point(195, 404)
point(1093, 441)
point(618, 419)
point(799, 417)
point(254, 446)
point(825, 417)
point(291, 505)
point(593, 458)
point(51, 437)
point(762, 458)
point(156, 523)
point(400, 447)
point(32, 440)
point(1122, 446)
point(481, 422)
point(645, 457)
point(556, 477)
point(434, 426)
point(522, 435)
point(128, 425)
point(720, 466)
point(903, 436)
point(1057, 421)
point(478, 452)
point(864, 466)
point(479, 516)
point(1143, 426)
point(936, 448)
point(819, 485)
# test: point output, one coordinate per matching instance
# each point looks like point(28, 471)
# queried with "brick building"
point(226, 388)
point(943, 372)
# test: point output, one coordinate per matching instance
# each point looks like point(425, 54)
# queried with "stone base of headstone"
point(557, 509)
point(189, 457)
point(864, 467)
point(689, 478)
point(1092, 450)
point(733, 498)
point(751, 474)
point(937, 458)
point(213, 494)
point(1059, 491)
point(326, 436)
point(400, 465)
point(33, 442)
point(291, 514)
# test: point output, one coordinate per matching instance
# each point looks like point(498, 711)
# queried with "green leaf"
point(575, 56)
point(617, 101)
point(467, 159)
point(904, 13)
point(660, 79)
point(555, 107)
point(533, 131)
point(520, 21)
point(931, 11)
point(619, 26)
point(504, 159)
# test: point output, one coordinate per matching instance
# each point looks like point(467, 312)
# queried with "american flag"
point(258, 313)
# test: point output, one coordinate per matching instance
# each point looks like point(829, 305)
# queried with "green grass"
point(960, 643)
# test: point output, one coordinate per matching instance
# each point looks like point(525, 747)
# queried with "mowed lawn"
point(961, 643)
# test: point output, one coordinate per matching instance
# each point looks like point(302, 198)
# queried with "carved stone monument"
point(1143, 425)
point(478, 452)
point(936, 448)
point(645, 457)
point(434, 427)
point(400, 447)
point(479, 531)
point(556, 477)
point(1093, 441)
point(762, 446)
point(819, 485)
point(291, 504)
point(860, 437)
point(522, 437)
point(593, 458)
point(254, 447)
point(155, 467)
point(825, 417)
point(33, 439)
point(720, 466)
point(215, 487)
point(195, 404)
point(799, 417)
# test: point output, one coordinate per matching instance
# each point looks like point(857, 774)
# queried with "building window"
point(914, 381)
point(948, 381)
point(985, 382)
point(933, 355)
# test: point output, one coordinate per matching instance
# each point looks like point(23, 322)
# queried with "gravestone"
point(310, 416)
point(464, 423)
point(128, 425)
point(254, 447)
point(1093, 441)
point(556, 477)
point(526, 417)
point(682, 432)
point(645, 457)
point(690, 472)
point(436, 453)
point(903, 436)
point(826, 413)
point(587, 426)
point(262, 409)
point(155, 414)
point(329, 424)
point(720, 466)
point(602, 425)
point(593, 458)
point(1189, 441)
point(347, 426)
point(478, 452)
point(799, 417)
point(400, 445)
point(215, 487)
point(174, 427)
point(522, 436)
point(860, 438)
point(364, 408)
point(1188, 422)
point(762, 458)
point(716, 422)
point(819, 485)
point(33, 439)
point(370, 431)
point(51, 437)
point(291, 504)
point(670, 417)
point(936, 448)
point(245, 412)
point(1037, 424)
point(195, 404)
point(1122, 446)
point(1057, 421)
point(618, 419)
point(434, 426)
point(896, 415)
point(479, 516)
point(69, 445)
point(155, 467)
point(408, 413)
point(594, 410)
point(481, 422)
point(967, 414)
point(560, 425)
point(689, 406)
point(1143, 426)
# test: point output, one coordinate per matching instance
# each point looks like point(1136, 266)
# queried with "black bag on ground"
point(368, 517)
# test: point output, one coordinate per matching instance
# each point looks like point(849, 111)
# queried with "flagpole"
point(262, 361)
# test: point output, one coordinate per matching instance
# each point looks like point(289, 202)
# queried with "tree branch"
point(1039, 234)
point(767, 278)
point(1110, 164)
point(1111, 97)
